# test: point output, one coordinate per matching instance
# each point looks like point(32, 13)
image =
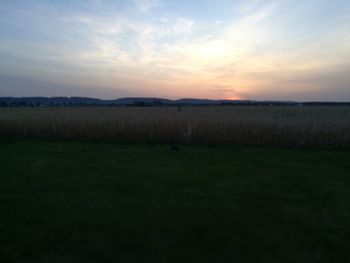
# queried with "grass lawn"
point(110, 202)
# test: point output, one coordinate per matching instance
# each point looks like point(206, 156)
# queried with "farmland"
point(112, 202)
point(170, 184)
point(322, 127)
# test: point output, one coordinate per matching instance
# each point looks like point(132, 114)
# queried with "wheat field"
point(326, 127)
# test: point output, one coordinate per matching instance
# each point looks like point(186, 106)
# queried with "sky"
point(216, 49)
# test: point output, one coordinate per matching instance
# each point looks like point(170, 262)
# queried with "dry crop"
point(257, 125)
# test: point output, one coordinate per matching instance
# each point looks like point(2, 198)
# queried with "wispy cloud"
point(146, 6)
point(150, 48)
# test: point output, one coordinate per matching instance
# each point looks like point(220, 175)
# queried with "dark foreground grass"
point(101, 202)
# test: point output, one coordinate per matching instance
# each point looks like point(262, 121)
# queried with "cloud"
point(146, 6)
point(245, 7)
point(144, 46)
point(183, 26)
point(18, 86)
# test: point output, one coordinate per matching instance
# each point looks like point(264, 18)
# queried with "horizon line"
point(173, 100)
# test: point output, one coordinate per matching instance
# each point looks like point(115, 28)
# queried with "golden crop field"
point(327, 127)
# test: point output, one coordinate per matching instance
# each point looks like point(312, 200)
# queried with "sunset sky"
point(218, 49)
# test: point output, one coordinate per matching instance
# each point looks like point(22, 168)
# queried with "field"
point(169, 184)
point(113, 202)
point(322, 127)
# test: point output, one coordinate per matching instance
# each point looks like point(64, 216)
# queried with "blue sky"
point(223, 49)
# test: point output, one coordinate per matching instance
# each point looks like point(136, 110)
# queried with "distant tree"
point(157, 103)
point(140, 103)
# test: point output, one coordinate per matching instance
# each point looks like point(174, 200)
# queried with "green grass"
point(110, 202)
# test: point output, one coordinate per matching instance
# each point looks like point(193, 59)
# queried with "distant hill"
point(140, 101)
point(144, 101)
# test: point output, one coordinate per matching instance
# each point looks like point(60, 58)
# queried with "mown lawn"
point(110, 202)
